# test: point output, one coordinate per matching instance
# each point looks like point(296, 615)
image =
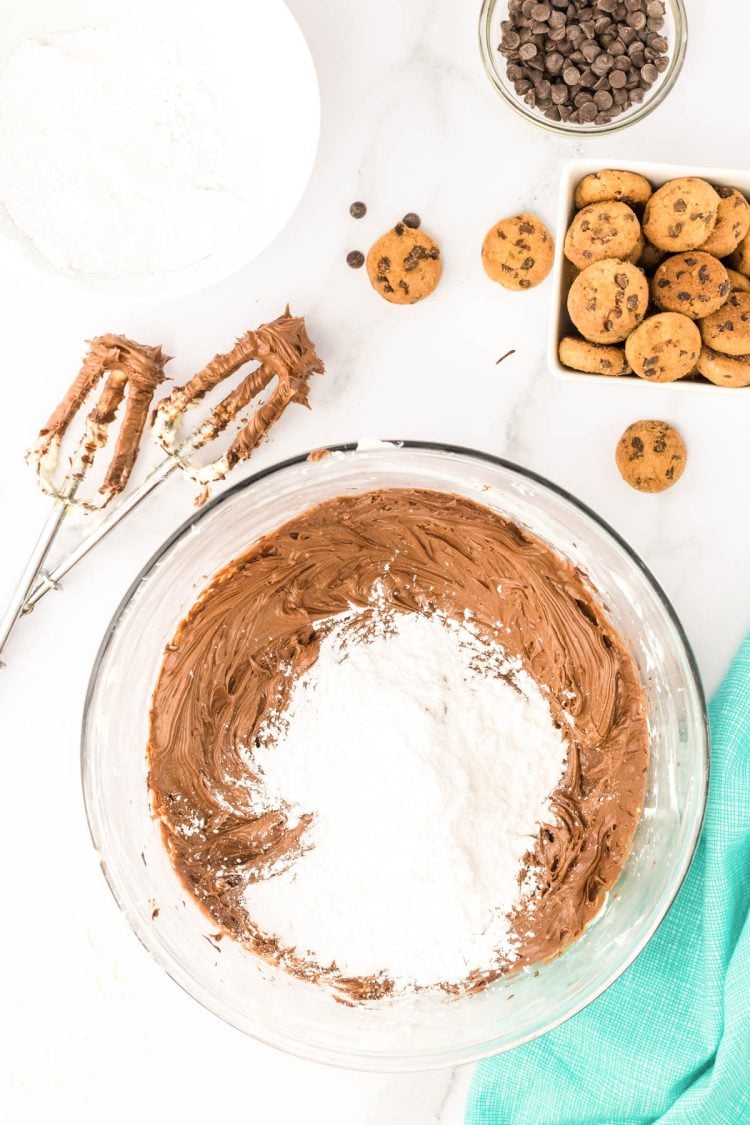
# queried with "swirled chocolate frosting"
point(426, 551)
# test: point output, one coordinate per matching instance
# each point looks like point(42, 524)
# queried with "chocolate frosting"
point(427, 550)
point(123, 365)
point(283, 351)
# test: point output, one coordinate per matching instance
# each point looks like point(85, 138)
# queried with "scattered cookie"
point(607, 300)
point(404, 265)
point(651, 456)
point(740, 259)
point(694, 283)
point(738, 283)
point(621, 187)
point(732, 223)
point(518, 252)
point(664, 348)
point(593, 359)
point(603, 230)
point(728, 330)
point(681, 215)
point(651, 257)
point(724, 370)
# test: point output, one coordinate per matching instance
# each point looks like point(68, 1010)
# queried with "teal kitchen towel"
point(670, 1040)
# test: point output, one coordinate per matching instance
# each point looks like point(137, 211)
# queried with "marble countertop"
point(96, 1030)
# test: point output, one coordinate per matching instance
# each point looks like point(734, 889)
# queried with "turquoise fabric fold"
point(670, 1040)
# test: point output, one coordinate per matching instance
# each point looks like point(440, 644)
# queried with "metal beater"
point(126, 369)
point(282, 350)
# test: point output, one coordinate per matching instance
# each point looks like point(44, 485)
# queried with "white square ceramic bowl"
point(563, 271)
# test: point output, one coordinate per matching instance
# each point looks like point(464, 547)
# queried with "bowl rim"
point(488, 50)
point(363, 1061)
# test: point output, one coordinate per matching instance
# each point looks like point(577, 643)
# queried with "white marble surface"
point(94, 1031)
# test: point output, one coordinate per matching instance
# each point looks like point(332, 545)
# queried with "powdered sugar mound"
point(427, 760)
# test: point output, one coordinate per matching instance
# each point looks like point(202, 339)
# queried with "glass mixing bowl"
point(419, 1032)
point(493, 12)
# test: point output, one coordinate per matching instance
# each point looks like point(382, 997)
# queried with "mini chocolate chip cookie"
point(592, 359)
point(724, 370)
point(693, 283)
point(607, 300)
point(681, 215)
point(603, 230)
point(651, 456)
point(518, 252)
point(738, 283)
point(732, 223)
point(404, 266)
point(740, 259)
point(728, 330)
point(664, 348)
point(613, 185)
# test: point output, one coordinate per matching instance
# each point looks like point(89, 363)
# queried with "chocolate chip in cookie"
point(651, 456)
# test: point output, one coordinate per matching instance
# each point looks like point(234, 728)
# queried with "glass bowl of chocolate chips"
point(583, 66)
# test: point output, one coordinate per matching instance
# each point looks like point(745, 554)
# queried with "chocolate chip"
point(614, 47)
point(384, 265)
point(358, 210)
point(659, 446)
point(355, 259)
point(399, 229)
point(412, 220)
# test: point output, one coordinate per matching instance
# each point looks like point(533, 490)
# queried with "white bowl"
point(263, 81)
point(562, 273)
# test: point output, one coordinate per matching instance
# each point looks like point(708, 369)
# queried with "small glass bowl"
point(412, 1032)
point(675, 31)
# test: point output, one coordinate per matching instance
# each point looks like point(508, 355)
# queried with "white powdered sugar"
point(112, 153)
point(427, 760)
